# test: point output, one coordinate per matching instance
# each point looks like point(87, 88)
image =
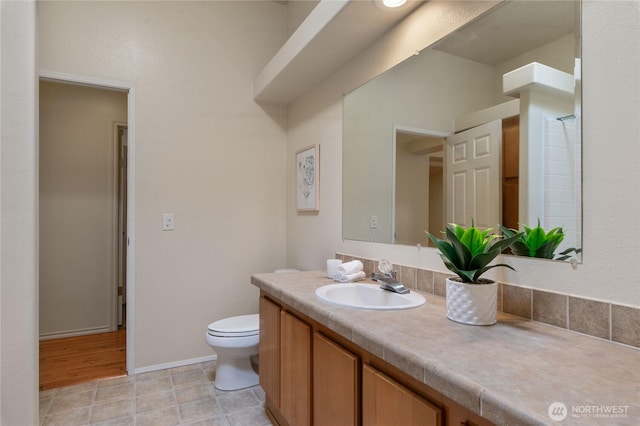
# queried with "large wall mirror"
point(482, 126)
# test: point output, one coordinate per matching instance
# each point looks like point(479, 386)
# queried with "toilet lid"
point(240, 326)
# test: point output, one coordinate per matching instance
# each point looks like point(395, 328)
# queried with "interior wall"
point(412, 197)
point(18, 215)
point(436, 193)
point(316, 117)
point(297, 12)
point(78, 207)
point(610, 156)
point(204, 151)
point(388, 101)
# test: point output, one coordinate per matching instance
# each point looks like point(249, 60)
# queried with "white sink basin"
point(368, 296)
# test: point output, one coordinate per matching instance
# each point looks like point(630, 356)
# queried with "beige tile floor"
point(177, 396)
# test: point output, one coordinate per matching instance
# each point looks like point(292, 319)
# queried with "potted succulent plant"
point(468, 252)
point(536, 242)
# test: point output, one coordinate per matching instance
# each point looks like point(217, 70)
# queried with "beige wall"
point(78, 207)
point(297, 12)
point(611, 153)
point(412, 198)
point(18, 215)
point(204, 151)
point(459, 86)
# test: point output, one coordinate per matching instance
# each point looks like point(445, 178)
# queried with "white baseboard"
point(73, 333)
point(175, 364)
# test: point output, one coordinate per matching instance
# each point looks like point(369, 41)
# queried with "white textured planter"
point(473, 304)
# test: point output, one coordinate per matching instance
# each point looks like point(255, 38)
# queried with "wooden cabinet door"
point(386, 402)
point(457, 415)
point(295, 370)
point(269, 348)
point(335, 384)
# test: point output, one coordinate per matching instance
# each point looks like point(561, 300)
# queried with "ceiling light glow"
point(393, 3)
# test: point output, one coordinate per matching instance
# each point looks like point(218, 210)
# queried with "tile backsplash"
point(600, 319)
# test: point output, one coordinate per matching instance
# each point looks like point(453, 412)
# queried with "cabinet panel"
point(269, 347)
point(312, 375)
point(295, 370)
point(457, 415)
point(386, 402)
point(335, 384)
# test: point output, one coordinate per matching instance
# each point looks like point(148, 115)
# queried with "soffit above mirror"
point(516, 31)
point(333, 33)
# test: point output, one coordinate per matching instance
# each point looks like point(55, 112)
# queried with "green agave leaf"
point(475, 240)
point(556, 231)
point(456, 229)
point(464, 255)
point(483, 259)
point(519, 248)
point(535, 238)
point(566, 254)
point(506, 231)
point(535, 242)
point(450, 266)
point(467, 276)
point(547, 250)
point(570, 250)
point(479, 272)
point(501, 244)
point(468, 251)
point(448, 251)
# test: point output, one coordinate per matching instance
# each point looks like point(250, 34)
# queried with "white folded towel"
point(349, 278)
point(350, 267)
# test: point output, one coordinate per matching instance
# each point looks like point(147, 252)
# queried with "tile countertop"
point(510, 372)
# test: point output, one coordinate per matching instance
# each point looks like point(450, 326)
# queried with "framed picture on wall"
point(307, 178)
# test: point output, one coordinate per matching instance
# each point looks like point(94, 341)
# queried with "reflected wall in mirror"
point(484, 126)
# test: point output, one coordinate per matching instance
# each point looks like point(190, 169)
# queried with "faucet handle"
point(386, 268)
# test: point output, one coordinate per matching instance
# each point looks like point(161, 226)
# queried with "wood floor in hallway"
point(73, 360)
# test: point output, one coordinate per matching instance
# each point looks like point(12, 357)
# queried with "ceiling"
point(337, 30)
point(293, 71)
point(515, 27)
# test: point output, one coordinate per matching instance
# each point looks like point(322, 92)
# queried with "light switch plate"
point(167, 222)
point(374, 222)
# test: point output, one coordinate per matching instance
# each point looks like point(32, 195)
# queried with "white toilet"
point(235, 340)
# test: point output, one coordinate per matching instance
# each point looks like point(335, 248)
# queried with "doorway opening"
point(419, 182)
point(122, 133)
point(86, 206)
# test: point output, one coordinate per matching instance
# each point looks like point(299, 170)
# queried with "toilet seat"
point(240, 326)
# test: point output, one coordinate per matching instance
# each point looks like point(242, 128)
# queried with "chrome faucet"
point(389, 283)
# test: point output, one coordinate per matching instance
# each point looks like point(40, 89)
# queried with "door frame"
point(412, 130)
point(131, 125)
point(120, 194)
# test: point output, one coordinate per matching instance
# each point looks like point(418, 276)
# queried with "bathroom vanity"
point(325, 364)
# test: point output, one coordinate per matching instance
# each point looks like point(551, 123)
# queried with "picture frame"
point(308, 178)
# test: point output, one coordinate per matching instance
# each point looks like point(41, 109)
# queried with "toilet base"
point(234, 373)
